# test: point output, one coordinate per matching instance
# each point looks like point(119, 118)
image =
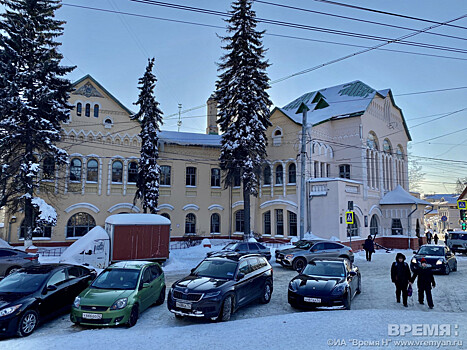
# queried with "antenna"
point(179, 123)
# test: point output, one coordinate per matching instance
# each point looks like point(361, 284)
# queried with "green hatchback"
point(119, 294)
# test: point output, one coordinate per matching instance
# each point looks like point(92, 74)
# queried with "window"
point(165, 215)
point(396, 227)
point(315, 169)
point(279, 222)
point(117, 171)
point(292, 217)
point(48, 171)
point(244, 267)
point(96, 111)
point(76, 272)
point(75, 169)
point(44, 231)
point(329, 246)
point(92, 171)
point(239, 221)
point(267, 223)
point(372, 141)
point(237, 179)
point(321, 170)
point(215, 223)
point(328, 170)
point(279, 174)
point(400, 152)
point(267, 175)
point(374, 225)
point(165, 175)
point(190, 224)
point(352, 229)
point(344, 171)
point(79, 109)
point(132, 172)
point(292, 173)
point(215, 177)
point(387, 146)
point(191, 176)
point(317, 247)
point(87, 111)
point(79, 224)
point(57, 278)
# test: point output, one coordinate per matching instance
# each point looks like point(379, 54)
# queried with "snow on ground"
point(4, 244)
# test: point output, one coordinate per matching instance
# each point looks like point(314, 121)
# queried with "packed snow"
point(73, 252)
point(137, 219)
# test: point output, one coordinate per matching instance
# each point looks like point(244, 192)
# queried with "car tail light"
point(32, 258)
point(350, 251)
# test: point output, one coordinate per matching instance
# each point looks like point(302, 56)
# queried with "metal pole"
point(302, 179)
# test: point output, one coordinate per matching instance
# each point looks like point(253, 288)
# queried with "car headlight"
point(119, 304)
point(77, 302)
point(289, 257)
point(414, 261)
point(9, 310)
point(338, 290)
point(212, 294)
point(292, 287)
point(439, 262)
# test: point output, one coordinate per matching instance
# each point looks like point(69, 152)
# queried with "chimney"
point(212, 128)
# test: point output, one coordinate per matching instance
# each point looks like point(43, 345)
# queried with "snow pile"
point(183, 260)
point(47, 213)
point(311, 236)
point(137, 219)
point(84, 243)
point(4, 244)
point(252, 240)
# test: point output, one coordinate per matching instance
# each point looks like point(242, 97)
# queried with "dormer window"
point(277, 137)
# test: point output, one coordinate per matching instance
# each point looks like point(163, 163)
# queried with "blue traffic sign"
point(462, 204)
point(444, 218)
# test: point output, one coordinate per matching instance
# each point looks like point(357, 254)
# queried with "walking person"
point(424, 283)
point(435, 238)
point(428, 237)
point(369, 247)
point(400, 276)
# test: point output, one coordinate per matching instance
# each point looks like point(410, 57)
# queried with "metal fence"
point(51, 251)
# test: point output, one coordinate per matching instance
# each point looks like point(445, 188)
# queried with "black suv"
point(220, 285)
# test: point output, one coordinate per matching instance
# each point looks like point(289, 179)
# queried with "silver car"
point(457, 241)
point(12, 260)
point(305, 250)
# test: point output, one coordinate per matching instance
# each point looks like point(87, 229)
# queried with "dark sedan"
point(11, 260)
point(244, 248)
point(325, 283)
point(35, 294)
point(439, 257)
point(220, 285)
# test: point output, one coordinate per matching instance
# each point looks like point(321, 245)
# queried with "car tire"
point(266, 294)
point(359, 288)
point(299, 263)
point(161, 298)
point(447, 269)
point(11, 270)
point(226, 310)
point(28, 323)
point(133, 316)
point(348, 300)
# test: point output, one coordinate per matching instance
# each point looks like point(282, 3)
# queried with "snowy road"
point(371, 311)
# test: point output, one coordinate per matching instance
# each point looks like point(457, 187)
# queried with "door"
point(318, 251)
point(146, 294)
point(353, 280)
point(157, 282)
point(243, 286)
point(332, 250)
point(56, 299)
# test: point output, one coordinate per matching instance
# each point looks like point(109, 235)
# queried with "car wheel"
point(299, 264)
point(347, 300)
point(133, 316)
point(11, 270)
point(161, 298)
point(359, 288)
point(447, 269)
point(226, 310)
point(28, 323)
point(267, 292)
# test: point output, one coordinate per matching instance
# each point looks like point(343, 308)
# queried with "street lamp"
point(12, 221)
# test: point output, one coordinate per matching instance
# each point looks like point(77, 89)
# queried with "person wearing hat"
point(425, 282)
point(369, 247)
point(400, 276)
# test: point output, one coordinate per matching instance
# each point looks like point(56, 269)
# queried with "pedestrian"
point(369, 247)
point(424, 283)
point(435, 238)
point(400, 276)
point(428, 237)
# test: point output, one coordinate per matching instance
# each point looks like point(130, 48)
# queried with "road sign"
point(349, 217)
point(462, 204)
point(444, 218)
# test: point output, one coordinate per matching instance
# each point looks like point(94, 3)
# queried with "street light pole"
point(303, 109)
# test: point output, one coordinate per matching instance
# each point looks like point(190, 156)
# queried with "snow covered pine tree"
point(243, 103)
point(150, 117)
point(33, 102)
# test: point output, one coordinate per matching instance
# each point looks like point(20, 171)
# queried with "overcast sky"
point(114, 48)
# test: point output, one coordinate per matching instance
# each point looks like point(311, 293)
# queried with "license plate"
point(183, 305)
point(92, 316)
point(312, 300)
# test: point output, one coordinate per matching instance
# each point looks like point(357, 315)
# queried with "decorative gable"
point(88, 90)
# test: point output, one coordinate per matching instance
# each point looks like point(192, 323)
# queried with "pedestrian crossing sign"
point(462, 204)
point(349, 217)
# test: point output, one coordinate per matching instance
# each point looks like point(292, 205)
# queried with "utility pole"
point(179, 123)
point(303, 109)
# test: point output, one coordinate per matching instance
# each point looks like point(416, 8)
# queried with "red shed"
point(138, 236)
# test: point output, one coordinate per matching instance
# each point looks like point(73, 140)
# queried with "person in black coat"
point(435, 238)
point(424, 283)
point(400, 276)
point(369, 247)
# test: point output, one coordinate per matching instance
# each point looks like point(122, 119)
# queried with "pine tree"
point(243, 102)
point(33, 100)
point(150, 117)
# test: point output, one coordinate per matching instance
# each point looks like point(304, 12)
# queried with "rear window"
point(461, 236)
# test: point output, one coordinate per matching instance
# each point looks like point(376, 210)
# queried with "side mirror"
point(51, 288)
point(352, 273)
point(192, 270)
point(240, 276)
point(89, 282)
point(415, 252)
point(145, 285)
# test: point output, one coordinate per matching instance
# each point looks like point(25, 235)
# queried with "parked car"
point(120, 294)
point(35, 294)
point(305, 250)
point(11, 260)
point(220, 285)
point(325, 282)
point(244, 248)
point(439, 257)
point(457, 241)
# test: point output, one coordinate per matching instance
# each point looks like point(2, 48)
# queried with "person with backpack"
point(400, 276)
point(424, 283)
point(369, 247)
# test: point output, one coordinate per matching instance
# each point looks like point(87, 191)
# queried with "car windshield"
point(230, 246)
point(21, 282)
point(458, 236)
point(216, 269)
point(117, 279)
point(325, 269)
point(304, 244)
point(437, 251)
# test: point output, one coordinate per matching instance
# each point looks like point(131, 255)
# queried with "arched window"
point(117, 171)
point(267, 175)
point(215, 223)
point(190, 224)
point(92, 171)
point(372, 141)
point(352, 229)
point(374, 225)
point(239, 221)
point(165, 215)
point(96, 111)
point(79, 109)
point(48, 170)
point(292, 173)
point(400, 152)
point(279, 174)
point(132, 172)
point(79, 224)
point(87, 111)
point(277, 137)
point(75, 169)
point(387, 146)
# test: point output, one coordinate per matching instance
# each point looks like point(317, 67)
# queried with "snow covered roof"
point(336, 102)
point(190, 138)
point(137, 219)
point(447, 197)
point(401, 196)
